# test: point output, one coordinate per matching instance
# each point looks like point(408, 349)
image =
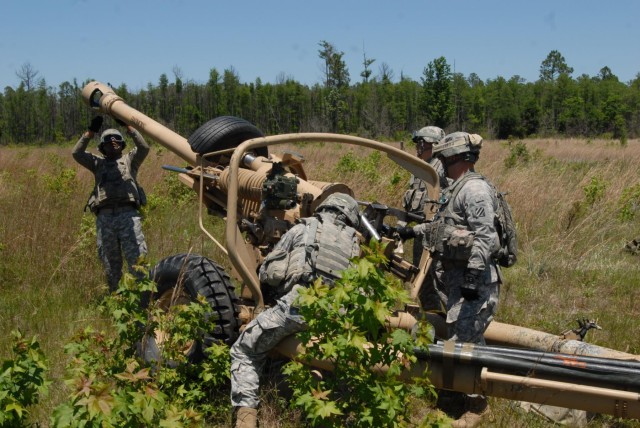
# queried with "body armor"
point(115, 185)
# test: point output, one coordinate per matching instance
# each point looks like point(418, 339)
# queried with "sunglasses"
point(111, 138)
point(422, 142)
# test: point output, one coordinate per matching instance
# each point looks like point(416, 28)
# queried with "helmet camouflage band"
point(343, 203)
point(430, 134)
point(458, 143)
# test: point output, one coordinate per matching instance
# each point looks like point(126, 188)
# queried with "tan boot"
point(469, 419)
point(246, 417)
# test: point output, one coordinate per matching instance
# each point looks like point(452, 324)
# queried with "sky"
point(135, 41)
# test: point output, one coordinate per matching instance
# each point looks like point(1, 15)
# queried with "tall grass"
point(567, 197)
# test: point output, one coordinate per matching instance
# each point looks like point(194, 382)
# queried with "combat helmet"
point(343, 203)
point(428, 134)
point(459, 143)
point(108, 136)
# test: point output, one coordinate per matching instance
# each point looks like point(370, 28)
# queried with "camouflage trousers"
point(118, 233)
point(468, 319)
point(250, 351)
point(433, 292)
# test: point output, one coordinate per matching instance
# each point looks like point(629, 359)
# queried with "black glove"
point(406, 233)
point(96, 124)
point(470, 290)
point(119, 122)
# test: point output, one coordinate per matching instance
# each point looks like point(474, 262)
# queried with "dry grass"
point(571, 264)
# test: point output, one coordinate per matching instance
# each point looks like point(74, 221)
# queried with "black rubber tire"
point(224, 132)
point(198, 275)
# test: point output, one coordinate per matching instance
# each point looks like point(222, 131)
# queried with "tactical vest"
point(326, 253)
point(507, 255)
point(416, 196)
point(115, 185)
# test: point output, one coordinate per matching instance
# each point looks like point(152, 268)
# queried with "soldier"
point(416, 196)
point(316, 247)
point(432, 298)
point(116, 198)
point(471, 274)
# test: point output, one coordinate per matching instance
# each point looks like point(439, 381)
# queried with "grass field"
point(576, 203)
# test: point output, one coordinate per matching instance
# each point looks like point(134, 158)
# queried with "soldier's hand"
point(96, 124)
point(119, 122)
point(406, 232)
point(470, 289)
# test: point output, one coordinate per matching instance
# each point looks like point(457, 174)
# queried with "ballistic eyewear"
point(111, 138)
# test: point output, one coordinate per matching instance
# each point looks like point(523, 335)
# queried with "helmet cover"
point(458, 143)
point(343, 203)
point(108, 136)
point(430, 134)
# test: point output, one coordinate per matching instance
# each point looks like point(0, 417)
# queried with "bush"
point(112, 386)
point(346, 325)
point(22, 381)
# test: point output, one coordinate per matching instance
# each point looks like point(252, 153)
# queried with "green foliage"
point(110, 385)
point(553, 66)
point(347, 327)
point(172, 192)
point(367, 167)
point(22, 381)
point(594, 191)
point(629, 203)
point(379, 106)
point(62, 183)
point(396, 178)
point(518, 155)
point(437, 95)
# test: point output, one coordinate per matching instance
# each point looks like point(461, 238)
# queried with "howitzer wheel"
point(224, 132)
point(180, 279)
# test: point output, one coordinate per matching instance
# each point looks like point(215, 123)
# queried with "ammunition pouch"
point(414, 200)
point(276, 263)
point(450, 244)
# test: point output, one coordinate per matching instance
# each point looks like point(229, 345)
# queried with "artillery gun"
point(261, 194)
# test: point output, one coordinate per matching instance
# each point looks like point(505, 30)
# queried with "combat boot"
point(477, 410)
point(246, 417)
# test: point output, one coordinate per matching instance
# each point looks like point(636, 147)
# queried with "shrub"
point(112, 386)
point(346, 325)
point(22, 381)
point(629, 203)
point(518, 155)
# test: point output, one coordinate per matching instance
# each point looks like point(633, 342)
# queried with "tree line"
point(375, 106)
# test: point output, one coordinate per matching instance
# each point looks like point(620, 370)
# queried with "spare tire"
point(180, 279)
point(224, 132)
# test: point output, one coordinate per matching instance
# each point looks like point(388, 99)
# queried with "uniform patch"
point(478, 212)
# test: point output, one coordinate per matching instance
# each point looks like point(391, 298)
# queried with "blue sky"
point(135, 41)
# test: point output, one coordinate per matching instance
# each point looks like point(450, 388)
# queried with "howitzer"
point(261, 195)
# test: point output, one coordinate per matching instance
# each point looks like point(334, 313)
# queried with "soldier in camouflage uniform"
point(316, 247)
point(116, 198)
point(414, 199)
point(473, 280)
point(416, 196)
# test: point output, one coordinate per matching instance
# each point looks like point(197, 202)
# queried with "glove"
point(406, 233)
point(96, 124)
point(119, 122)
point(470, 289)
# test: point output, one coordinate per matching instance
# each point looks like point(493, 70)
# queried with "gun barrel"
point(102, 98)
point(369, 227)
point(594, 384)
